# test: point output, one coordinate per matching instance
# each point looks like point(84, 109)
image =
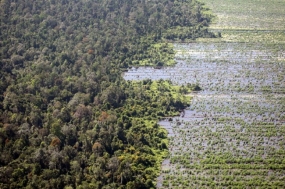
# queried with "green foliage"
point(159, 54)
point(64, 107)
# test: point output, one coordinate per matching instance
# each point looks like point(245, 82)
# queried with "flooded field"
point(233, 134)
point(228, 67)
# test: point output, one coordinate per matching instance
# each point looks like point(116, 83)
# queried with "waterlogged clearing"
point(227, 140)
point(247, 14)
point(232, 135)
point(222, 67)
point(233, 132)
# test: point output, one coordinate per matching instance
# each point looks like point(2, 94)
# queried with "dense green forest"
point(67, 117)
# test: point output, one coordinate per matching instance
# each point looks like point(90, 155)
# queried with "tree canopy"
point(67, 117)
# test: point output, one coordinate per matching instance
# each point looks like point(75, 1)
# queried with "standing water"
point(232, 135)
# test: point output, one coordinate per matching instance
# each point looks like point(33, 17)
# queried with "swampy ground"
point(232, 135)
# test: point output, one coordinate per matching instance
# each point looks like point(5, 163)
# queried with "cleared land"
point(247, 15)
point(232, 135)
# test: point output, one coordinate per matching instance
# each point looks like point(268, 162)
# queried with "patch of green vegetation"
point(160, 95)
point(158, 55)
point(266, 89)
